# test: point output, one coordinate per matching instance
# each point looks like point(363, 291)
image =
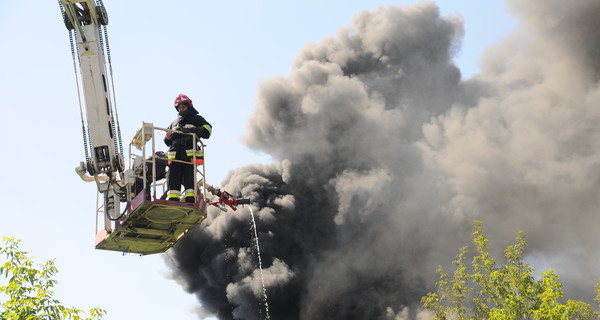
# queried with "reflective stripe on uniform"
point(172, 155)
point(190, 153)
point(208, 128)
point(188, 193)
point(198, 154)
point(173, 194)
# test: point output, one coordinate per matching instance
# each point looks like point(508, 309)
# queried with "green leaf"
point(29, 288)
point(501, 292)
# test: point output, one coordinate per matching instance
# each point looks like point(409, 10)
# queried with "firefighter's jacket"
point(181, 145)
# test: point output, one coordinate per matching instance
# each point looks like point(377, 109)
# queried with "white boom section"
point(85, 20)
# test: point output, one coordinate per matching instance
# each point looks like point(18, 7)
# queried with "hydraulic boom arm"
point(85, 19)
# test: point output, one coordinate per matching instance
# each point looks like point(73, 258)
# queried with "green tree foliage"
point(29, 292)
point(484, 290)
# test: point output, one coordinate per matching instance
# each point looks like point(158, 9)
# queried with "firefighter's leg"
point(174, 181)
point(139, 185)
point(188, 183)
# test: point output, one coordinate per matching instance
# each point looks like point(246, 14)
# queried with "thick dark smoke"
point(385, 155)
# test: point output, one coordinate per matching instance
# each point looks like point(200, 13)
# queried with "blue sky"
point(217, 53)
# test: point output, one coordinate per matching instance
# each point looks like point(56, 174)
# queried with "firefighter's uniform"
point(181, 147)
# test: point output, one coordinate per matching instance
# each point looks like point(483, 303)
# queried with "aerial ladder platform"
point(150, 224)
point(132, 214)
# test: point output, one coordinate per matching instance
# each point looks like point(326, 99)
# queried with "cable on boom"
point(112, 92)
point(75, 59)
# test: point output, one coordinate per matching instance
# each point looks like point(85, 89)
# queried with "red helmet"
point(183, 98)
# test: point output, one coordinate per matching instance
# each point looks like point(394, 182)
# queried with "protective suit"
point(181, 147)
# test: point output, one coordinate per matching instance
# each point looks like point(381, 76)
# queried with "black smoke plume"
point(385, 154)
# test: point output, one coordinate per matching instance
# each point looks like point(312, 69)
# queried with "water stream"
point(260, 264)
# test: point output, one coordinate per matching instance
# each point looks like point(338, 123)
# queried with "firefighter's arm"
point(202, 132)
point(168, 140)
point(169, 136)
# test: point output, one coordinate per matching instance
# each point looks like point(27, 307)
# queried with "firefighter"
point(161, 173)
point(181, 147)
